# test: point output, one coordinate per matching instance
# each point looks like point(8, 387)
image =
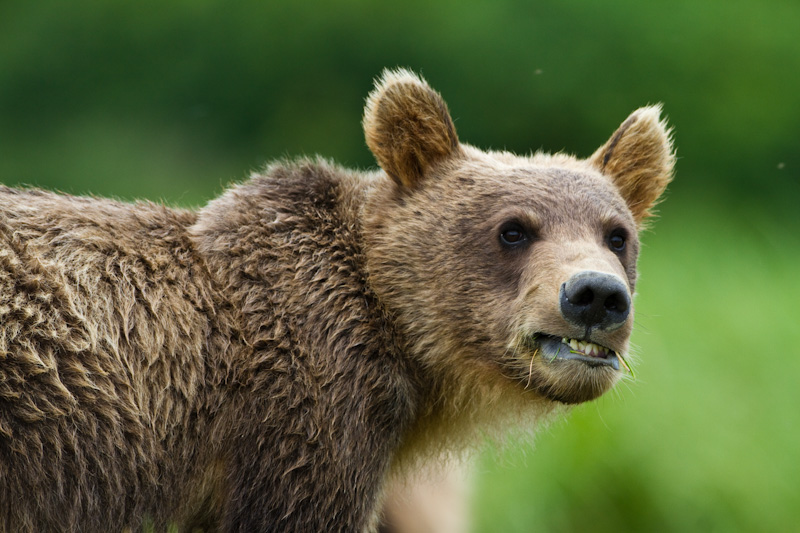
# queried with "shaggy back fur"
point(266, 363)
point(106, 317)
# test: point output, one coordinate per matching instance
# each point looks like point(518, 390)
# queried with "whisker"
point(530, 369)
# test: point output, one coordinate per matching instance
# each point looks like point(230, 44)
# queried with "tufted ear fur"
point(408, 127)
point(639, 159)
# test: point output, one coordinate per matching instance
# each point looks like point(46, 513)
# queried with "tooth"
point(591, 349)
point(573, 344)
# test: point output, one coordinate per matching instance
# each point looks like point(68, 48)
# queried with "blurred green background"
point(173, 100)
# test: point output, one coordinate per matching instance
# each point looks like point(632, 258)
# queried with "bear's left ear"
point(639, 159)
point(408, 127)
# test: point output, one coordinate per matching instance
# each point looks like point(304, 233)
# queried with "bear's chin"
point(577, 382)
point(568, 381)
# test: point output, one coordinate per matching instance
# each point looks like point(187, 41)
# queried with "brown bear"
point(268, 362)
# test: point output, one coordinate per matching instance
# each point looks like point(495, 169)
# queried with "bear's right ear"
point(408, 127)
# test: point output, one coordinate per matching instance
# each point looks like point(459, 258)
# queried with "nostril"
point(617, 302)
point(584, 297)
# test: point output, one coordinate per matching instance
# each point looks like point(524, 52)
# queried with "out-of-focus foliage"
point(173, 100)
point(126, 96)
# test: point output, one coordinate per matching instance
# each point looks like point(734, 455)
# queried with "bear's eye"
point(512, 234)
point(616, 241)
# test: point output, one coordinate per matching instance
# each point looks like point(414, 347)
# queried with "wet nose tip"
point(592, 299)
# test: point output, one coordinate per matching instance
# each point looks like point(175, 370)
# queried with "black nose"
point(595, 300)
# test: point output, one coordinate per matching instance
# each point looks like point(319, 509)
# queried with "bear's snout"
point(592, 300)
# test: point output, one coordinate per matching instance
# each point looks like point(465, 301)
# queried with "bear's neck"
point(285, 248)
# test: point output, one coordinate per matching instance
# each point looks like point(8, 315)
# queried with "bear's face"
point(521, 269)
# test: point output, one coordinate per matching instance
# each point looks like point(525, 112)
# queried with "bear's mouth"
point(551, 348)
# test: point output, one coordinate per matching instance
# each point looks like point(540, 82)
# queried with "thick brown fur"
point(268, 362)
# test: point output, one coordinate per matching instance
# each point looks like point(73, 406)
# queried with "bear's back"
point(107, 317)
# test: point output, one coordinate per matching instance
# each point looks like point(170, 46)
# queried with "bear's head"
point(502, 268)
